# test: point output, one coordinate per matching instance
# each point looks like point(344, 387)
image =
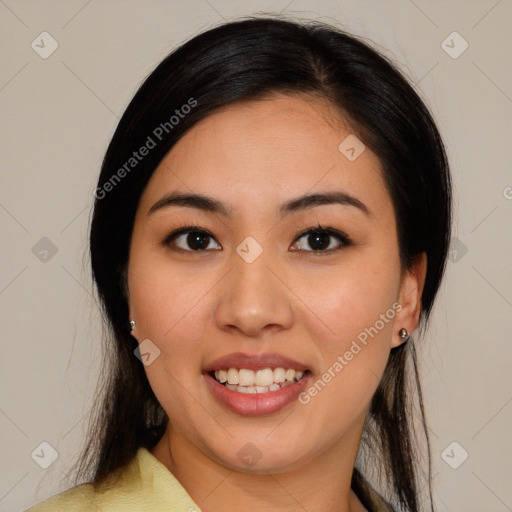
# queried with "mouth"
point(256, 384)
point(265, 380)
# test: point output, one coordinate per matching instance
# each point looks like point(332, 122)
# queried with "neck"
point(323, 484)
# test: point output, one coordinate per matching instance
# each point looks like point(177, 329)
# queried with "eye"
point(192, 239)
point(322, 240)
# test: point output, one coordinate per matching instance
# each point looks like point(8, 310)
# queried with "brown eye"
point(321, 240)
point(192, 240)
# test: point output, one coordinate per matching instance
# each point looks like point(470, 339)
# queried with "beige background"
point(57, 117)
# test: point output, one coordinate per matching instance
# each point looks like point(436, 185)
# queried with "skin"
point(198, 306)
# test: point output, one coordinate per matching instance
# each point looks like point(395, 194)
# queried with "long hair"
point(242, 60)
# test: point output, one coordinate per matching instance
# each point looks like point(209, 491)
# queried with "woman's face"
point(300, 324)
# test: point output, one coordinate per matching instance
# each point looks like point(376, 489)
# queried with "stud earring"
point(403, 333)
point(132, 324)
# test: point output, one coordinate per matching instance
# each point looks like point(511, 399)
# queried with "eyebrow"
point(211, 205)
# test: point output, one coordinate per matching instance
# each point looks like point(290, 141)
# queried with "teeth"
point(245, 377)
point(264, 377)
point(232, 376)
point(279, 375)
point(260, 381)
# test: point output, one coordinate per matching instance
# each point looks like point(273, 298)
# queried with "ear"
point(131, 317)
point(133, 331)
point(123, 278)
point(411, 290)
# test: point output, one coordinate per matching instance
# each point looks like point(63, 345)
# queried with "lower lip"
point(256, 404)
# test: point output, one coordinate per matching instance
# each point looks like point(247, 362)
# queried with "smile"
point(260, 381)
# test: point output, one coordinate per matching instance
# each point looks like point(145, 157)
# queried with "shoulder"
point(79, 499)
point(144, 485)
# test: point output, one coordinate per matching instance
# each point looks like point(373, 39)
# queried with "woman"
point(270, 226)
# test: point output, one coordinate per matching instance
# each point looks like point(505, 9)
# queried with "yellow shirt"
point(145, 485)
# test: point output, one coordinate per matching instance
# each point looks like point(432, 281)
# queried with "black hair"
point(242, 60)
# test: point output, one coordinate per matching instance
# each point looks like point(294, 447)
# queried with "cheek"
point(358, 305)
point(168, 310)
point(353, 298)
point(354, 351)
point(168, 306)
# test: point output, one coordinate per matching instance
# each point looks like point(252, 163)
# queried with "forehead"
point(267, 149)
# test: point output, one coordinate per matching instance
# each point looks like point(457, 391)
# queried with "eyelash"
point(339, 235)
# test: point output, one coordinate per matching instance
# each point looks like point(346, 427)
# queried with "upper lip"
point(254, 362)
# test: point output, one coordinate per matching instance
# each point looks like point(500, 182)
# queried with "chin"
point(262, 456)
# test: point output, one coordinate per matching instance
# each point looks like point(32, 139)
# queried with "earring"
point(403, 333)
point(132, 324)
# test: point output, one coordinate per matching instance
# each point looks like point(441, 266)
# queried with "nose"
point(254, 298)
